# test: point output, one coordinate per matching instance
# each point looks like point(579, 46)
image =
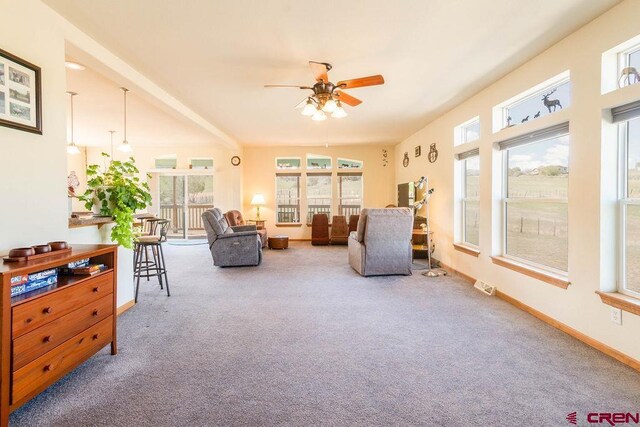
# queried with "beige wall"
point(592, 230)
point(33, 167)
point(260, 169)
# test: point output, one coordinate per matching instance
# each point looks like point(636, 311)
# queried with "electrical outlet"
point(616, 316)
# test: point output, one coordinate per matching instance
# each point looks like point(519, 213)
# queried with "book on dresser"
point(56, 313)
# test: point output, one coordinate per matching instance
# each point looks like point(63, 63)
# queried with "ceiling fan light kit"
point(327, 97)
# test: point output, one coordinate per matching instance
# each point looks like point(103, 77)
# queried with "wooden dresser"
point(46, 333)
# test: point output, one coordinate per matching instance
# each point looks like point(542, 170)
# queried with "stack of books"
point(83, 270)
point(30, 282)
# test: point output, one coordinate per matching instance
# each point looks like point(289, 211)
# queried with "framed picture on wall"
point(20, 94)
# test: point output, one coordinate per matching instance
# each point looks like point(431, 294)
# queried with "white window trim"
point(340, 198)
point(318, 172)
point(299, 176)
point(500, 111)
point(459, 132)
point(623, 202)
point(504, 204)
point(463, 201)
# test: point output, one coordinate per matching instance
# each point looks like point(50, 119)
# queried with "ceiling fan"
point(327, 97)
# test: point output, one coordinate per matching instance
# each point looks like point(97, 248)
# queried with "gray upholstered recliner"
point(382, 243)
point(231, 246)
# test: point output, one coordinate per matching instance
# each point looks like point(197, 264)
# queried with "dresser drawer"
point(44, 371)
point(33, 314)
point(37, 342)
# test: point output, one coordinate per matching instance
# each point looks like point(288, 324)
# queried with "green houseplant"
point(118, 192)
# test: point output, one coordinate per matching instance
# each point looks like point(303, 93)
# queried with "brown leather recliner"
point(353, 223)
point(234, 218)
point(320, 230)
point(339, 230)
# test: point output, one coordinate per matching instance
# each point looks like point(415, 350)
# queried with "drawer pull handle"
point(95, 290)
point(95, 312)
point(95, 336)
point(47, 368)
point(47, 310)
point(47, 338)
point(29, 320)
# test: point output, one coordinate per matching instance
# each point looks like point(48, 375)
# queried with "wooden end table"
point(258, 222)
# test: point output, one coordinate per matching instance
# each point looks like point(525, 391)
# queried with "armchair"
point(231, 246)
point(382, 243)
point(234, 218)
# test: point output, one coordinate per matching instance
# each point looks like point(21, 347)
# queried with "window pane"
point(350, 188)
point(471, 131)
point(471, 228)
point(537, 232)
point(539, 170)
point(534, 106)
point(288, 198)
point(634, 60)
point(318, 195)
point(472, 177)
point(632, 248)
point(633, 159)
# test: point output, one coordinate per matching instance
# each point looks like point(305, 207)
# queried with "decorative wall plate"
point(405, 161)
point(433, 153)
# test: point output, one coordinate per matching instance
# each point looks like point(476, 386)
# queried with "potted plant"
point(117, 192)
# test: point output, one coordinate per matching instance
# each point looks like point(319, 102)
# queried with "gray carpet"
point(302, 340)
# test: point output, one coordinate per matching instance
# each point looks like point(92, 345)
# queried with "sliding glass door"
point(183, 198)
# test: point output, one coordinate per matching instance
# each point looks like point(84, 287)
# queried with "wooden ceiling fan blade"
point(319, 70)
point(348, 99)
point(361, 82)
point(298, 86)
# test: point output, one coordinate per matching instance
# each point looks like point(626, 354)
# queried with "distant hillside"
point(551, 170)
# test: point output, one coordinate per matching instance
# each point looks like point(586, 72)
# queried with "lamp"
point(339, 112)
point(124, 146)
point(420, 183)
point(319, 115)
point(72, 148)
point(423, 182)
point(309, 108)
point(257, 201)
point(330, 106)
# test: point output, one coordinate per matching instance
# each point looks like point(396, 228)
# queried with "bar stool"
point(154, 267)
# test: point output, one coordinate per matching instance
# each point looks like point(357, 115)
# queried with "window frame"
point(330, 197)
point(623, 57)
point(624, 201)
point(299, 198)
point(506, 200)
point(340, 197)
point(460, 131)
point(464, 199)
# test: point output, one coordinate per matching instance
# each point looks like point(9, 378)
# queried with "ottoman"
point(278, 242)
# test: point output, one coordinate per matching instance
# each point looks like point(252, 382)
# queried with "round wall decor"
point(235, 160)
point(405, 161)
point(433, 153)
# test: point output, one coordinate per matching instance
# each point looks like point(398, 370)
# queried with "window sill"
point(621, 301)
point(466, 249)
point(537, 273)
point(288, 224)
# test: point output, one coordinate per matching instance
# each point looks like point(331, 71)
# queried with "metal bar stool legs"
point(145, 267)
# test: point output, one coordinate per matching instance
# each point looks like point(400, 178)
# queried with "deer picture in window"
point(626, 75)
point(555, 103)
point(526, 119)
point(537, 115)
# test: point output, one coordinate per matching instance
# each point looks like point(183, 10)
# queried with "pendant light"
point(72, 148)
point(112, 132)
point(309, 109)
point(124, 146)
point(319, 115)
point(339, 111)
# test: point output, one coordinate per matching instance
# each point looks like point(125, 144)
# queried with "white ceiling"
point(215, 56)
point(99, 106)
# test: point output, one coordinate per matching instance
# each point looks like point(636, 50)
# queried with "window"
point(350, 193)
point(287, 162)
point(467, 132)
point(470, 196)
point(315, 161)
point(318, 195)
point(629, 66)
point(201, 163)
point(628, 117)
point(168, 162)
point(288, 198)
point(544, 99)
point(349, 164)
point(536, 172)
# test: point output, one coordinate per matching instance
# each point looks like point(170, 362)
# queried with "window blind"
point(467, 154)
point(537, 135)
point(287, 173)
point(626, 112)
point(349, 173)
